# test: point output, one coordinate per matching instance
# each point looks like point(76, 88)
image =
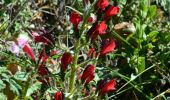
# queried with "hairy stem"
point(73, 69)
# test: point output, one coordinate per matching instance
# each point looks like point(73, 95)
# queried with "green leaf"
point(2, 85)
point(3, 97)
point(139, 29)
point(121, 38)
point(152, 35)
point(152, 11)
point(144, 10)
point(33, 88)
point(28, 98)
point(141, 64)
point(7, 1)
point(14, 86)
point(123, 2)
point(5, 76)
point(2, 2)
point(167, 37)
point(3, 69)
point(22, 76)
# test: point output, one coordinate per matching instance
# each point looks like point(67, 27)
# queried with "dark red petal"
point(42, 70)
point(88, 73)
point(28, 50)
point(90, 52)
point(41, 55)
point(45, 57)
point(101, 28)
point(90, 20)
point(58, 95)
point(66, 59)
point(112, 11)
point(110, 46)
point(75, 18)
point(101, 83)
point(94, 35)
point(89, 78)
point(102, 4)
point(109, 86)
point(41, 39)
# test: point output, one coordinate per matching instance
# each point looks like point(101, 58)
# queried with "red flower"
point(94, 35)
point(100, 29)
point(100, 84)
point(102, 4)
point(43, 57)
point(58, 96)
point(28, 50)
point(108, 46)
point(109, 86)
point(42, 39)
point(75, 18)
point(112, 11)
point(90, 20)
point(66, 59)
point(42, 70)
point(88, 74)
point(90, 52)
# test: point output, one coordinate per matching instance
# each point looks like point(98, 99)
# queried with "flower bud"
point(108, 47)
point(102, 4)
point(59, 96)
point(28, 50)
point(88, 74)
point(66, 59)
point(75, 18)
point(109, 86)
point(112, 11)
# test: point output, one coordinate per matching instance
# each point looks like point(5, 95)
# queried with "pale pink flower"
point(14, 49)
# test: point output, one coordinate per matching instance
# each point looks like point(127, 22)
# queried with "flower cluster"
point(98, 28)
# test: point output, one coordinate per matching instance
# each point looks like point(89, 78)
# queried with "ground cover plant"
point(84, 49)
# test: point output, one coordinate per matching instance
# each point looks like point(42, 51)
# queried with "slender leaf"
point(141, 64)
point(22, 76)
point(33, 88)
point(14, 86)
point(152, 11)
point(3, 96)
point(2, 85)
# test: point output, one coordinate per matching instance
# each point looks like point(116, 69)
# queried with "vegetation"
point(84, 49)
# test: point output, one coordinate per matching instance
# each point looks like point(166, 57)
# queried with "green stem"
point(161, 94)
point(76, 51)
point(73, 72)
point(136, 77)
point(73, 69)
